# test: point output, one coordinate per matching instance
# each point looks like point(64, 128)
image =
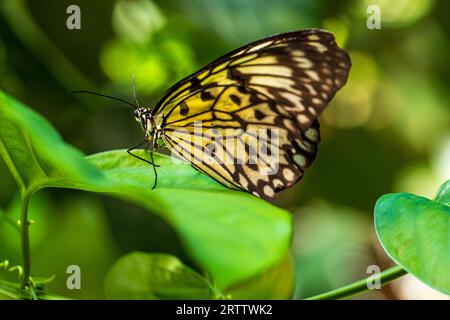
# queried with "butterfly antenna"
point(133, 84)
point(105, 96)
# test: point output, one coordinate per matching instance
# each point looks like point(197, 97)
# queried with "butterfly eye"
point(137, 114)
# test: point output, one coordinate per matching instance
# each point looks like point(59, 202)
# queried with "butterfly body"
point(148, 123)
point(249, 118)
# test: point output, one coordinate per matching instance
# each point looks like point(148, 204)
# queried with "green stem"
point(361, 285)
point(25, 238)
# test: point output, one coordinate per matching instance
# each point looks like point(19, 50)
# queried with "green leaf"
point(277, 283)
point(443, 194)
point(140, 275)
point(231, 235)
point(414, 231)
point(35, 153)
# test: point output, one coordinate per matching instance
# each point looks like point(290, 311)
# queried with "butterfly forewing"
point(249, 119)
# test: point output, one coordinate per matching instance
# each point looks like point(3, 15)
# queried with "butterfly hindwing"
point(249, 119)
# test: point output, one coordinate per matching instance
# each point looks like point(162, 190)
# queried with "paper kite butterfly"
point(274, 88)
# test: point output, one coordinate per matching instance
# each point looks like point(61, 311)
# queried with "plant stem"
point(25, 238)
point(360, 286)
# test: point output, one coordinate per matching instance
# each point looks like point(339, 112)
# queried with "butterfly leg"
point(145, 160)
point(154, 146)
point(154, 168)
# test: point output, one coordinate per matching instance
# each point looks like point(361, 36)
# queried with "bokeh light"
point(400, 13)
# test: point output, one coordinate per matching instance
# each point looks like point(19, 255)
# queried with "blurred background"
point(386, 131)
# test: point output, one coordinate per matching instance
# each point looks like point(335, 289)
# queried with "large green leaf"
point(140, 275)
point(276, 283)
point(414, 231)
point(230, 235)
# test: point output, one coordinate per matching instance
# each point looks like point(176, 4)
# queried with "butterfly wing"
point(249, 119)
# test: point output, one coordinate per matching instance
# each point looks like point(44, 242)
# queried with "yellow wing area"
point(249, 118)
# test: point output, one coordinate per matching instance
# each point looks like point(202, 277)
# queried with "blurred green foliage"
point(386, 131)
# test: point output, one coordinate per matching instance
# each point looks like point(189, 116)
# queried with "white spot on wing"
point(313, 37)
point(312, 111)
point(312, 74)
point(303, 119)
point(316, 101)
point(310, 88)
point(303, 62)
point(268, 191)
point(288, 174)
point(299, 160)
point(297, 53)
point(320, 47)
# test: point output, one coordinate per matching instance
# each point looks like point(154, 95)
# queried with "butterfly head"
point(145, 118)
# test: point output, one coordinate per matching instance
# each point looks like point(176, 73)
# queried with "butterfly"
point(249, 118)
